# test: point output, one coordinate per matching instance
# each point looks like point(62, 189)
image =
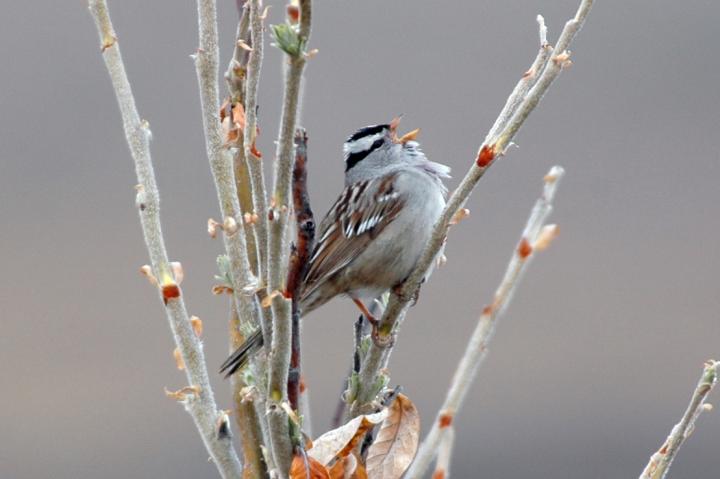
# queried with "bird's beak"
point(410, 136)
point(406, 137)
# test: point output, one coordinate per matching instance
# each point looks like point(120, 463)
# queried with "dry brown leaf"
point(340, 442)
point(396, 442)
point(343, 468)
point(299, 469)
point(348, 467)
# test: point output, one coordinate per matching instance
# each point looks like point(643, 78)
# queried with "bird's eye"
point(356, 155)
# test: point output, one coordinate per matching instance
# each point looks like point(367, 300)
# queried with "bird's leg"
point(379, 342)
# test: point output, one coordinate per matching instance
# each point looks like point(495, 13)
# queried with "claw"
point(379, 341)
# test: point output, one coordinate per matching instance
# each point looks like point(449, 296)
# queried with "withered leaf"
point(312, 469)
point(396, 442)
point(341, 441)
point(348, 467)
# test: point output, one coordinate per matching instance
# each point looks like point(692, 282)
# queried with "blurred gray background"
point(598, 354)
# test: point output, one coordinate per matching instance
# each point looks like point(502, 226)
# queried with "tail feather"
point(240, 357)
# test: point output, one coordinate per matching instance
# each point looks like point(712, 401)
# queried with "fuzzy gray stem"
point(236, 72)
point(476, 349)
point(445, 446)
point(257, 177)
point(235, 78)
point(200, 405)
point(489, 151)
point(659, 464)
point(279, 215)
point(206, 64)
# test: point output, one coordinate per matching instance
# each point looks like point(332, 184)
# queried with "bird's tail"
point(237, 360)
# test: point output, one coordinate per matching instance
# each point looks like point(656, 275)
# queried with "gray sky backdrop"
point(602, 345)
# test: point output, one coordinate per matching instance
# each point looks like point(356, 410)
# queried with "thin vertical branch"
point(494, 147)
point(254, 163)
point(535, 237)
point(206, 64)
point(281, 348)
point(305, 222)
point(442, 466)
point(236, 73)
point(285, 149)
point(245, 400)
point(660, 462)
point(200, 403)
point(235, 79)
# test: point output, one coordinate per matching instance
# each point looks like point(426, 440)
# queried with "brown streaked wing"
point(361, 212)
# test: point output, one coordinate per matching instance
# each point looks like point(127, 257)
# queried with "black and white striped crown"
point(363, 142)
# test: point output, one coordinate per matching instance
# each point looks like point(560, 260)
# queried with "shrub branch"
point(200, 401)
point(206, 65)
point(535, 237)
point(659, 464)
point(279, 213)
point(510, 120)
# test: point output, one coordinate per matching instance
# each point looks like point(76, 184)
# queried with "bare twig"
point(206, 64)
point(257, 177)
point(245, 401)
point(280, 351)
point(535, 237)
point(249, 416)
point(660, 462)
point(305, 222)
point(285, 148)
point(491, 149)
point(236, 73)
point(236, 78)
point(442, 466)
point(201, 403)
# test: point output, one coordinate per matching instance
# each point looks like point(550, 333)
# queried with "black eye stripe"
point(355, 158)
point(367, 131)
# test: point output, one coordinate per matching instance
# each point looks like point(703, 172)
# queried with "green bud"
point(287, 39)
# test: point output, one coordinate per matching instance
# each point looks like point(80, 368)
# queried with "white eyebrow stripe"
point(362, 144)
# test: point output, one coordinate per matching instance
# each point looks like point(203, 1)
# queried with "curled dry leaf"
point(396, 442)
point(182, 394)
point(341, 441)
point(232, 119)
point(312, 469)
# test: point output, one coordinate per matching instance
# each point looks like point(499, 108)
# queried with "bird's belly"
point(390, 258)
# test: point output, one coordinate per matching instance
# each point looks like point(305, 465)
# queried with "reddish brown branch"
point(299, 257)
